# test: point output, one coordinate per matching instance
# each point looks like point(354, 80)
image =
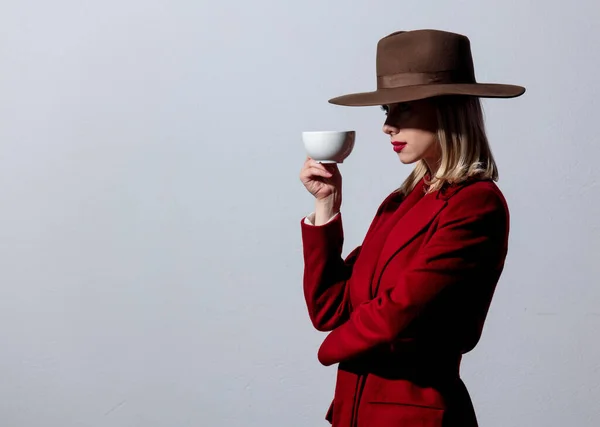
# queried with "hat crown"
point(426, 51)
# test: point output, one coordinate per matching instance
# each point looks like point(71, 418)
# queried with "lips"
point(398, 146)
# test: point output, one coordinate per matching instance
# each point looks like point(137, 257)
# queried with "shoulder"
point(477, 198)
point(477, 191)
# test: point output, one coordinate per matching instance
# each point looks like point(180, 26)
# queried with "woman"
point(404, 306)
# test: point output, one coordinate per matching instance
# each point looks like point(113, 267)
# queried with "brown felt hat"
point(421, 64)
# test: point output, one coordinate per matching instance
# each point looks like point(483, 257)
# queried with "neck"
point(432, 166)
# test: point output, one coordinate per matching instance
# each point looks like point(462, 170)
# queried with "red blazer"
point(404, 306)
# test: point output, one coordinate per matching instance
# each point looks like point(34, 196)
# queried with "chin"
point(407, 160)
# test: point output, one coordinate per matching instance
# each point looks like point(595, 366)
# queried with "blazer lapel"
point(411, 224)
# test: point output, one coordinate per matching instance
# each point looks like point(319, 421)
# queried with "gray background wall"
point(150, 254)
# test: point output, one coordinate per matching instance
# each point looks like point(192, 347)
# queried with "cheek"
point(433, 145)
point(425, 141)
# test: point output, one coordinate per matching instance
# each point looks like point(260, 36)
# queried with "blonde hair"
point(466, 152)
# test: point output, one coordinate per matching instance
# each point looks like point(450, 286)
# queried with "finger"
point(313, 162)
point(309, 162)
point(313, 171)
point(316, 174)
point(305, 165)
point(314, 165)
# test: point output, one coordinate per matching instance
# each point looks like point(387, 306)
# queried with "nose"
point(389, 129)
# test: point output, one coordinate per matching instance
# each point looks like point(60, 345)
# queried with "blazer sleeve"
point(326, 273)
point(470, 241)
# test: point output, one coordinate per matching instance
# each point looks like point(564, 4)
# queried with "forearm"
point(326, 273)
point(325, 209)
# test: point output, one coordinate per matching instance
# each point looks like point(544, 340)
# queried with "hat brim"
point(414, 93)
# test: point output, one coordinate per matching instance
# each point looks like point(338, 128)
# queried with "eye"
point(403, 107)
point(385, 109)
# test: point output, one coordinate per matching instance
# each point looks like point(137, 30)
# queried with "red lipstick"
point(398, 146)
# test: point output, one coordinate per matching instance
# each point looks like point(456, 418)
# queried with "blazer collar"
point(411, 224)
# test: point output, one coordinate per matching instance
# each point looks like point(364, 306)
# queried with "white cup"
point(329, 146)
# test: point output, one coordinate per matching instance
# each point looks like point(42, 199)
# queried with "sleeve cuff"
point(310, 219)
